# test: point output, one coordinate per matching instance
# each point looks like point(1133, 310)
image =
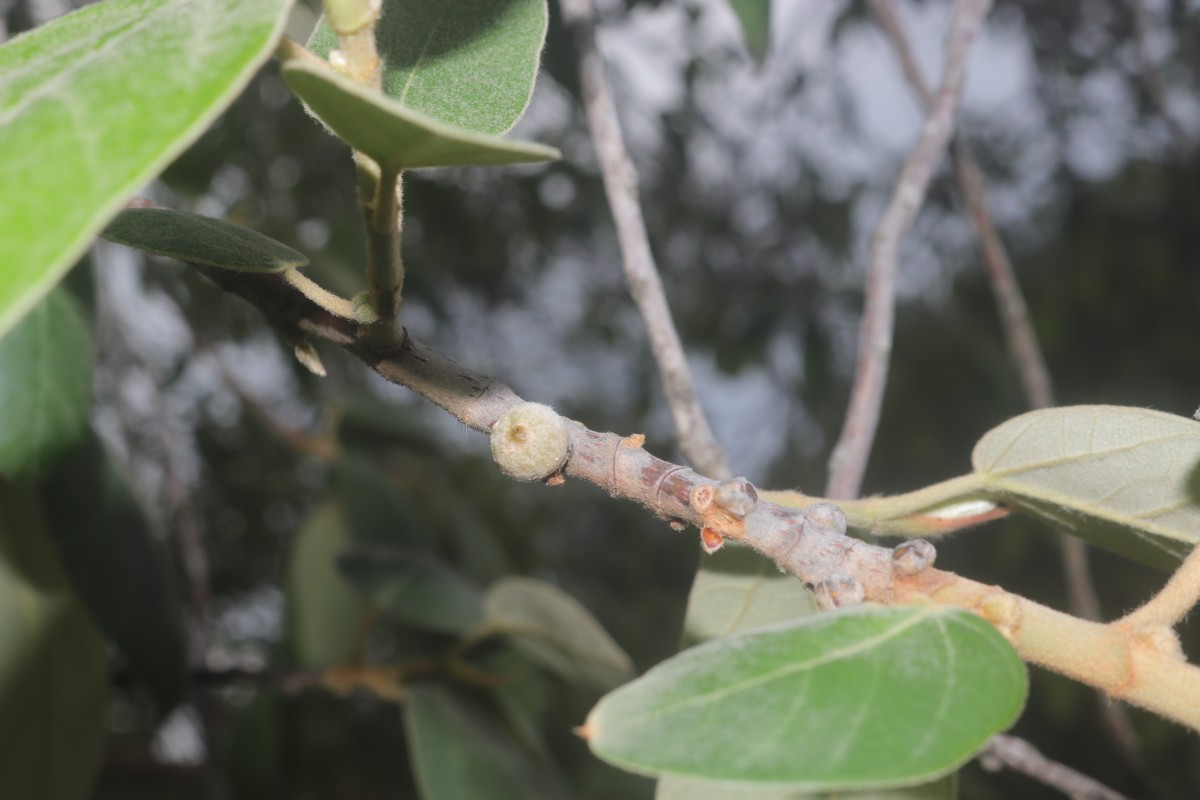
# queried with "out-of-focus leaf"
point(683, 789)
point(869, 698)
point(325, 613)
point(461, 752)
point(413, 586)
point(374, 506)
point(553, 629)
point(468, 63)
point(755, 16)
point(200, 240)
point(395, 136)
point(117, 569)
point(1115, 476)
point(53, 665)
point(98, 102)
point(45, 386)
point(738, 590)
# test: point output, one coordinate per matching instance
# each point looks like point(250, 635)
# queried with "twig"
point(1173, 601)
point(809, 544)
point(849, 459)
point(696, 440)
point(1020, 756)
point(1152, 80)
point(1024, 349)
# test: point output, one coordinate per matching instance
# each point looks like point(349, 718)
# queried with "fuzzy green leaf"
point(861, 699)
point(325, 613)
point(98, 102)
point(755, 16)
point(1118, 477)
point(460, 752)
point(468, 63)
point(53, 665)
point(200, 240)
point(553, 629)
point(414, 587)
point(45, 386)
point(394, 136)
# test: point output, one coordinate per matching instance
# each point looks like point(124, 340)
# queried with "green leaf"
point(98, 102)
point(755, 16)
point(868, 698)
point(551, 628)
point(468, 63)
point(325, 613)
point(200, 240)
point(461, 752)
point(395, 136)
point(53, 665)
point(45, 385)
point(682, 789)
point(413, 586)
point(117, 568)
point(738, 590)
point(1116, 476)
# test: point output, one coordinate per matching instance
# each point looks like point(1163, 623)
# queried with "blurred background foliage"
point(761, 186)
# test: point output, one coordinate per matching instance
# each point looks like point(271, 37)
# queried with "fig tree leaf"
point(868, 698)
point(459, 751)
point(117, 569)
point(755, 17)
point(200, 240)
point(45, 385)
point(395, 136)
point(1113, 475)
point(53, 664)
point(325, 613)
point(94, 105)
point(553, 629)
point(738, 590)
point(413, 586)
point(683, 789)
point(468, 63)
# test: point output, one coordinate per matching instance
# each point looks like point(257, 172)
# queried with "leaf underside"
point(98, 102)
point(1123, 478)
point(200, 240)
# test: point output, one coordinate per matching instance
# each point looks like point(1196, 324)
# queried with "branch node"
point(737, 497)
point(1161, 639)
point(701, 497)
point(838, 591)
point(826, 516)
point(911, 557)
point(1002, 610)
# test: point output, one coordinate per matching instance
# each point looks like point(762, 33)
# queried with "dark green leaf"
point(117, 568)
point(461, 752)
point(98, 102)
point(755, 16)
point(550, 627)
point(45, 386)
point(1115, 476)
point(395, 136)
point(53, 665)
point(414, 587)
point(325, 613)
point(200, 240)
point(869, 698)
point(374, 506)
point(468, 63)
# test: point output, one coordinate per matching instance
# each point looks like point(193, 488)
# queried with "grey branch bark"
point(695, 436)
point(849, 459)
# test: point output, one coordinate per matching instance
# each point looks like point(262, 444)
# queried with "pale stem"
point(380, 195)
point(849, 459)
point(1173, 601)
point(354, 23)
point(695, 437)
point(1020, 756)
